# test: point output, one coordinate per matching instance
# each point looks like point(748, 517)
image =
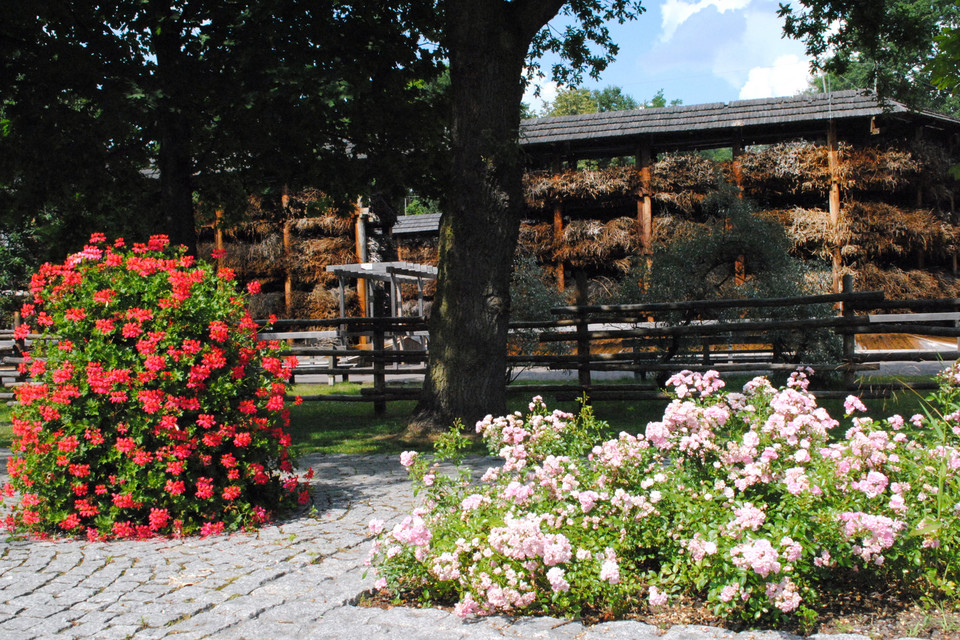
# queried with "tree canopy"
point(578, 101)
point(904, 49)
point(129, 114)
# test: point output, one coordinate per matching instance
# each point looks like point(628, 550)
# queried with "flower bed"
point(154, 409)
point(756, 503)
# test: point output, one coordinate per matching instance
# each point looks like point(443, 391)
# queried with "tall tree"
point(658, 100)
point(216, 100)
point(574, 101)
point(489, 43)
point(613, 98)
point(892, 46)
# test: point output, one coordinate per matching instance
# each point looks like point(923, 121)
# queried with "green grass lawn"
point(352, 427)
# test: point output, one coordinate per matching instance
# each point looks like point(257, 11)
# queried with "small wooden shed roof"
point(718, 124)
point(426, 223)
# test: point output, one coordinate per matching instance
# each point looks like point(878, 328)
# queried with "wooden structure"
point(391, 273)
point(853, 117)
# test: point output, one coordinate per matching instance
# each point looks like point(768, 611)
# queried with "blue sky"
point(703, 51)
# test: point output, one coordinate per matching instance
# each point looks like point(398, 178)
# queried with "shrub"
point(154, 409)
point(755, 502)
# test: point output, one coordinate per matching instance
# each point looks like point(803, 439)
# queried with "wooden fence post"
point(21, 344)
point(849, 339)
point(583, 339)
point(558, 239)
point(379, 377)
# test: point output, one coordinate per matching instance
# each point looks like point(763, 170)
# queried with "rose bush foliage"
point(153, 409)
point(752, 501)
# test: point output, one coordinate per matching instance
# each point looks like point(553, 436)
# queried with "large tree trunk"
point(175, 159)
point(488, 41)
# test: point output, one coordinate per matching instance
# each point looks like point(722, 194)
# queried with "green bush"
point(758, 504)
point(154, 409)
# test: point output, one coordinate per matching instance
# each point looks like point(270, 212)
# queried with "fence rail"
point(648, 340)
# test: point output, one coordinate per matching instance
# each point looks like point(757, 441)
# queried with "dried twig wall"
point(881, 227)
point(319, 235)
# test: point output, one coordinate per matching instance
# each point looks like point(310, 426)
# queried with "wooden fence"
point(648, 340)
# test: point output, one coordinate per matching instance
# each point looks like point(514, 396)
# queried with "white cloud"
point(675, 12)
point(548, 93)
point(759, 46)
point(788, 75)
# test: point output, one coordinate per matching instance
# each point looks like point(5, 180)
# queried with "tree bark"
point(466, 378)
point(175, 160)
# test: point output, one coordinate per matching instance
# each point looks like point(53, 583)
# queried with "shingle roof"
point(423, 223)
point(668, 124)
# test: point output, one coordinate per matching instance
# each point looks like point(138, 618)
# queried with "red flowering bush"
point(153, 408)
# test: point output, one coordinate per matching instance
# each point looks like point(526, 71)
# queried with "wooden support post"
point(645, 204)
point(379, 376)
point(737, 165)
point(287, 260)
point(833, 160)
point(361, 242)
point(20, 344)
point(218, 239)
point(395, 296)
point(849, 339)
point(420, 296)
point(558, 238)
point(740, 266)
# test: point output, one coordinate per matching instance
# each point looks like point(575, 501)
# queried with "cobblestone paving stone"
point(295, 580)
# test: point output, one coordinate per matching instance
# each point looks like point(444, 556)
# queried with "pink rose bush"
point(756, 501)
point(153, 408)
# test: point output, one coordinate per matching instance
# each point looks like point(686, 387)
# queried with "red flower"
point(159, 518)
point(104, 296)
point(204, 488)
point(79, 470)
point(131, 329)
point(72, 521)
point(212, 439)
point(123, 500)
point(253, 287)
point(74, 315)
point(21, 331)
point(68, 444)
point(211, 528)
point(231, 493)
point(242, 439)
point(86, 509)
point(158, 242)
point(219, 331)
point(155, 363)
point(64, 373)
point(175, 487)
